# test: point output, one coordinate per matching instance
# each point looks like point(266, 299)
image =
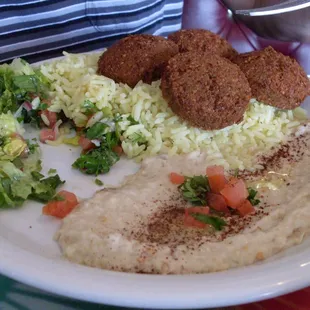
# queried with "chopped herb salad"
point(25, 98)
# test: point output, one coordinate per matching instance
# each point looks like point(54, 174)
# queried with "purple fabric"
point(214, 16)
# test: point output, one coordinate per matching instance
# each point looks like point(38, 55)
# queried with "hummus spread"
point(138, 227)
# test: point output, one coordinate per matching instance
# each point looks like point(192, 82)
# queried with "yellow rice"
point(74, 80)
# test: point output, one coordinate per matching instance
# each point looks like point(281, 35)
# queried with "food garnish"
point(176, 178)
point(89, 107)
point(214, 192)
point(98, 182)
point(199, 217)
point(214, 221)
point(252, 194)
point(98, 159)
point(62, 204)
point(189, 219)
point(234, 192)
point(216, 178)
point(194, 190)
point(52, 171)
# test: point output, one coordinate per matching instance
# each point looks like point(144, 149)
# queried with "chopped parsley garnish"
point(117, 118)
point(52, 171)
point(96, 161)
point(252, 194)
point(32, 146)
point(37, 175)
point(42, 106)
point(214, 221)
point(132, 120)
point(194, 190)
point(98, 182)
point(31, 117)
point(102, 158)
point(89, 107)
point(96, 131)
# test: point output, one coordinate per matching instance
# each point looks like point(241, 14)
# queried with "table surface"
point(17, 296)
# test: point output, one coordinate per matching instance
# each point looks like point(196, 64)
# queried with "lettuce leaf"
point(18, 83)
point(16, 186)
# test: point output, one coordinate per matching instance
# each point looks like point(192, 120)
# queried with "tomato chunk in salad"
point(47, 134)
point(63, 204)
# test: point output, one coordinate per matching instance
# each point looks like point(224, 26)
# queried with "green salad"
point(22, 94)
point(25, 99)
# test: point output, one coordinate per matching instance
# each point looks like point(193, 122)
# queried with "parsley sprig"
point(214, 221)
point(194, 190)
point(252, 194)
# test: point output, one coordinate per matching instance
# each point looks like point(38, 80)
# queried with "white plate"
point(29, 254)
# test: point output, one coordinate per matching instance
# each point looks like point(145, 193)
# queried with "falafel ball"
point(191, 40)
point(208, 91)
point(136, 57)
point(275, 79)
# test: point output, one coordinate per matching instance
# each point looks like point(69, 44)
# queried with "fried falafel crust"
point(191, 40)
point(208, 91)
point(275, 79)
point(136, 57)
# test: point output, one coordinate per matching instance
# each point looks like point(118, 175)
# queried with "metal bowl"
point(274, 19)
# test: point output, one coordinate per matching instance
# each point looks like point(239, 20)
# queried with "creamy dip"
point(138, 227)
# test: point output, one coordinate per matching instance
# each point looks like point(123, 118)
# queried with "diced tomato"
point(246, 208)
point(176, 178)
point(47, 134)
point(118, 150)
point(86, 144)
point(235, 192)
point(17, 136)
point(189, 221)
point(216, 177)
point(51, 116)
point(61, 208)
point(216, 202)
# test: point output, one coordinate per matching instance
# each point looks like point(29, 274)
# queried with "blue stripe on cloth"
point(55, 33)
point(48, 10)
point(15, 3)
point(90, 43)
point(77, 26)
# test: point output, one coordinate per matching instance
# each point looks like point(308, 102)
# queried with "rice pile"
point(74, 80)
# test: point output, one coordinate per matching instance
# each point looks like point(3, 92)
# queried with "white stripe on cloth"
point(170, 28)
point(127, 27)
point(21, 4)
point(71, 9)
point(81, 41)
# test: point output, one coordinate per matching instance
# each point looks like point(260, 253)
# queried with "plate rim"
point(174, 293)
